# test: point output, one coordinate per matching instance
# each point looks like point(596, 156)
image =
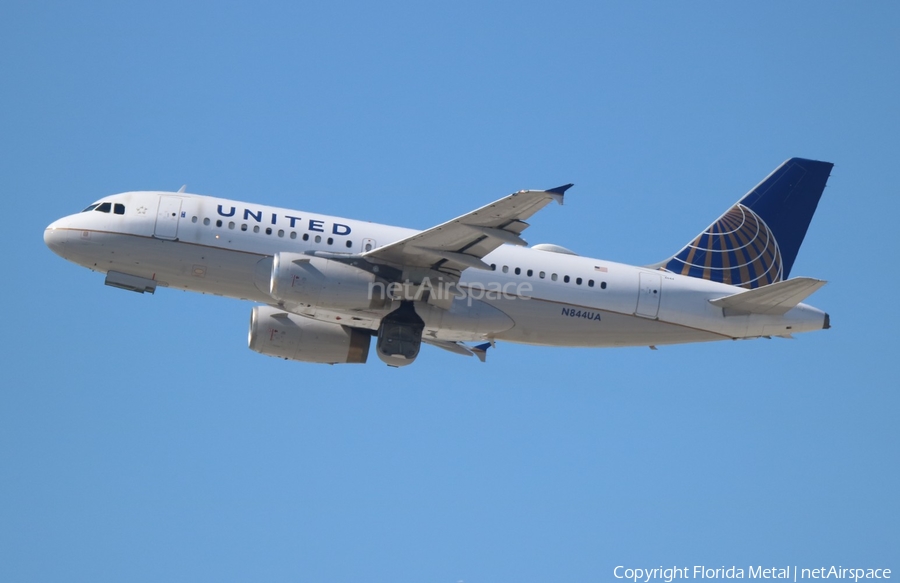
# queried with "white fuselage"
point(225, 247)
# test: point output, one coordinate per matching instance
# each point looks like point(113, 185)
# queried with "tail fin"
point(756, 241)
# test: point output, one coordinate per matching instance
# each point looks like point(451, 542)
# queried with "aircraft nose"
point(55, 237)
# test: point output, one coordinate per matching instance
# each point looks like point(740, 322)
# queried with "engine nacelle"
point(274, 332)
point(326, 283)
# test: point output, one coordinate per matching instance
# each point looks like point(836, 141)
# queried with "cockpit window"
point(90, 208)
point(119, 209)
point(105, 207)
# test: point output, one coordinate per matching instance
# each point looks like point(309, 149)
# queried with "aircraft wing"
point(461, 243)
point(458, 348)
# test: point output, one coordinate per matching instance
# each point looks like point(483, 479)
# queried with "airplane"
point(327, 285)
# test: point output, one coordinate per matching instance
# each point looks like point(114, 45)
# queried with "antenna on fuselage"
point(183, 187)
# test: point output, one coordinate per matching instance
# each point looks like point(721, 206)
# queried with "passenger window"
point(530, 273)
point(231, 224)
point(330, 240)
point(206, 221)
point(578, 281)
point(541, 275)
point(349, 244)
point(268, 230)
point(566, 279)
point(219, 223)
point(256, 228)
point(590, 283)
point(518, 271)
point(318, 238)
point(244, 227)
point(306, 236)
point(293, 234)
point(281, 232)
point(602, 285)
point(194, 219)
point(505, 269)
point(119, 209)
point(493, 267)
point(105, 207)
point(553, 277)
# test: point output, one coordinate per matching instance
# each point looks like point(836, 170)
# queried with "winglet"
point(561, 189)
point(481, 350)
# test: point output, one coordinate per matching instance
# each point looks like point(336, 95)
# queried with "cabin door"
point(167, 217)
point(648, 295)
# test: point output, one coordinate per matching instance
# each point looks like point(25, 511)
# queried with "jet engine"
point(400, 336)
point(274, 332)
point(326, 283)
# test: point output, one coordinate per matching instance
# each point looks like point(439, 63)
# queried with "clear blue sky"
point(140, 440)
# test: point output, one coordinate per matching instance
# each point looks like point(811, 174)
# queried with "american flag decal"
point(600, 269)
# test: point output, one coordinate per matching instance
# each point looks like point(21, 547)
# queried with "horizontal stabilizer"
point(774, 299)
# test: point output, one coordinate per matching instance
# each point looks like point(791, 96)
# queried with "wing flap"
point(775, 299)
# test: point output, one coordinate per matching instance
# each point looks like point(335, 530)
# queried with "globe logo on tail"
point(738, 249)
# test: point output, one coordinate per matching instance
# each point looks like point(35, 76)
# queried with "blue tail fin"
point(756, 241)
